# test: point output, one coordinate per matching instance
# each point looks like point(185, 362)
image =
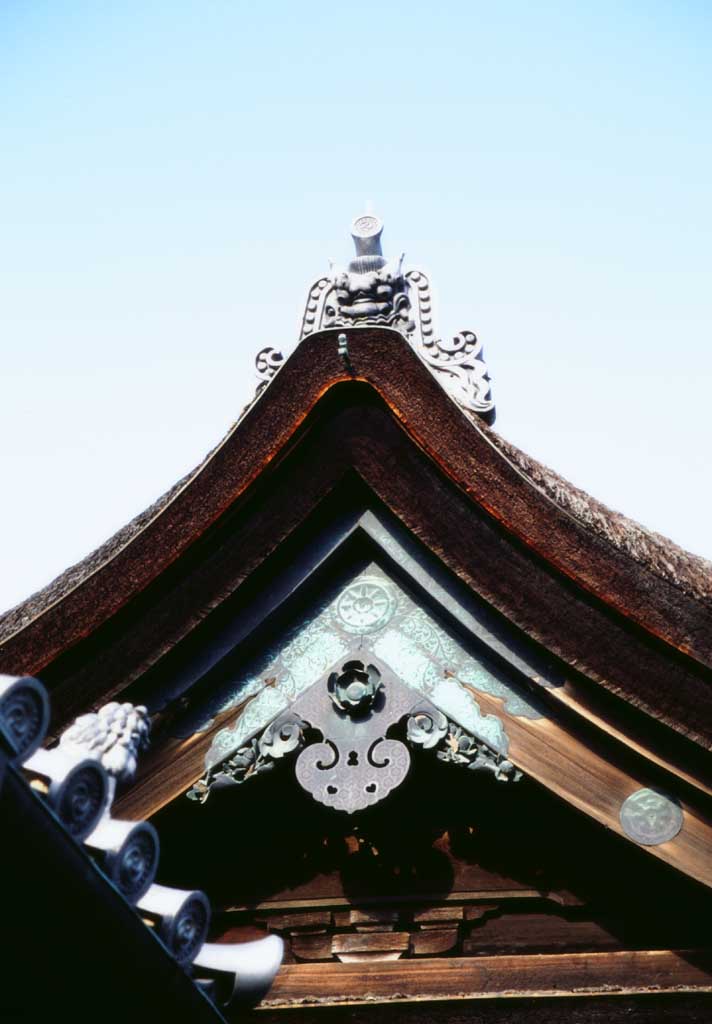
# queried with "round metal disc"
point(650, 818)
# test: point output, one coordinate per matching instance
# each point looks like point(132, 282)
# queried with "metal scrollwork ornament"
point(281, 738)
point(430, 729)
point(356, 765)
point(354, 779)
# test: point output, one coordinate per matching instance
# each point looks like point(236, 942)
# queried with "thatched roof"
point(658, 554)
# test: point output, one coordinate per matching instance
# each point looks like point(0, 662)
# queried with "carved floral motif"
point(282, 737)
point(429, 728)
point(355, 688)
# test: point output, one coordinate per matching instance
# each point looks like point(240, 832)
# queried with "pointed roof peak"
point(374, 290)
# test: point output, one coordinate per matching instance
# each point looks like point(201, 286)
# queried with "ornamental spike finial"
point(376, 291)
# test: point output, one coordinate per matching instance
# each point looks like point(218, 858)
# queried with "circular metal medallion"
point(365, 606)
point(650, 818)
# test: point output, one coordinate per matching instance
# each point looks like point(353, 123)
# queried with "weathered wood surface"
point(478, 978)
point(644, 1008)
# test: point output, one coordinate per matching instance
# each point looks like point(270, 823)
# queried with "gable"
point(320, 453)
point(435, 636)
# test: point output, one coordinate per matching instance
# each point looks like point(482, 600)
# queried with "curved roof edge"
point(690, 572)
point(379, 357)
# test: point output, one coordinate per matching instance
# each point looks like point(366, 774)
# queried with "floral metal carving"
point(355, 763)
point(282, 737)
point(355, 689)
point(375, 291)
point(430, 729)
point(365, 606)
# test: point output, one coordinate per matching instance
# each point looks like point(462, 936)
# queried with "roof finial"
point(366, 232)
point(372, 291)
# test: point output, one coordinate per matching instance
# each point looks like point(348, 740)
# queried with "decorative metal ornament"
point(366, 606)
point(268, 362)
point(430, 729)
point(282, 737)
point(355, 689)
point(650, 818)
point(427, 727)
point(375, 291)
point(355, 764)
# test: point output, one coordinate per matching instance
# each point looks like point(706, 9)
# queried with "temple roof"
point(656, 553)
point(363, 586)
point(646, 579)
point(690, 572)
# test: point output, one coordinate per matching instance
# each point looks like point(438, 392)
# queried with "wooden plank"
point(311, 947)
point(433, 941)
point(370, 942)
point(453, 913)
point(375, 916)
point(484, 897)
point(552, 755)
point(482, 977)
point(309, 919)
point(538, 933)
point(578, 699)
point(648, 1008)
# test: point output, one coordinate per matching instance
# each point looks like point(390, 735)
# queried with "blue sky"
point(174, 174)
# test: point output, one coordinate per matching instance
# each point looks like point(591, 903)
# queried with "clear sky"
point(173, 174)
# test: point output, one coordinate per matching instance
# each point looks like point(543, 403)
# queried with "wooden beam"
point(587, 780)
point(622, 973)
